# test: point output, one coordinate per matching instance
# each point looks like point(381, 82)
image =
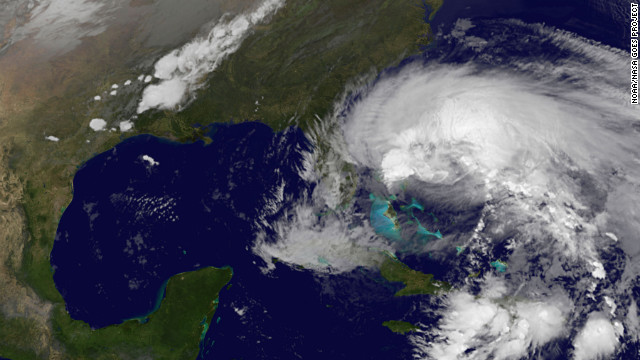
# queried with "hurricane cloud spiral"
point(530, 127)
point(547, 145)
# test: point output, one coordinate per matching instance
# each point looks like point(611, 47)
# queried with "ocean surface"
point(150, 208)
point(600, 20)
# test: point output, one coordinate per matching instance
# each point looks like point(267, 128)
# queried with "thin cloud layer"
point(322, 243)
point(60, 25)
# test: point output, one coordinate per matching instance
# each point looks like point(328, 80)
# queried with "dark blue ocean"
point(150, 208)
point(605, 21)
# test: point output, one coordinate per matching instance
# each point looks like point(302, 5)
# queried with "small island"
point(400, 327)
point(499, 265)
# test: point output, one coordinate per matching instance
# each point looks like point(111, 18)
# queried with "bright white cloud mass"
point(512, 136)
point(547, 146)
point(126, 125)
point(597, 338)
point(480, 132)
point(181, 70)
point(98, 124)
point(492, 328)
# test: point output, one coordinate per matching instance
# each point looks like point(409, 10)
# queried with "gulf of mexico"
point(150, 208)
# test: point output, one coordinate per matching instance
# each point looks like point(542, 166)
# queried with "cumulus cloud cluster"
point(492, 328)
point(98, 124)
point(182, 70)
point(324, 243)
point(598, 338)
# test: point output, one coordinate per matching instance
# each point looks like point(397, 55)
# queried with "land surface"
point(292, 70)
point(400, 327)
point(302, 62)
point(415, 282)
point(173, 331)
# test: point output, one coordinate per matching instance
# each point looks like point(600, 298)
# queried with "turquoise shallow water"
point(388, 223)
point(499, 265)
point(382, 223)
point(197, 207)
point(422, 232)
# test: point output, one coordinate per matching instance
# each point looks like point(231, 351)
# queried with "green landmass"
point(415, 282)
point(301, 63)
point(392, 215)
point(400, 327)
point(171, 332)
point(298, 65)
point(475, 275)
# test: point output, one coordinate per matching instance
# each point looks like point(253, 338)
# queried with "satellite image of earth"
point(306, 179)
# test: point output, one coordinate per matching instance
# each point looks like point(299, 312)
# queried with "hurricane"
point(524, 135)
